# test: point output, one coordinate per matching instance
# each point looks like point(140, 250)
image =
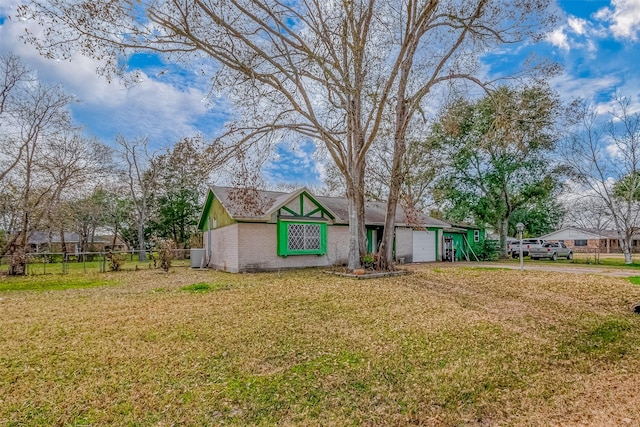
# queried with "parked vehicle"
point(551, 250)
point(527, 244)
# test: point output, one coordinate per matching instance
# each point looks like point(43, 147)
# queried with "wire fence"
point(92, 262)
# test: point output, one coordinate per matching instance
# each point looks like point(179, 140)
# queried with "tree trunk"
point(385, 261)
point(625, 243)
point(357, 229)
point(503, 229)
point(63, 243)
point(142, 255)
point(18, 258)
point(115, 236)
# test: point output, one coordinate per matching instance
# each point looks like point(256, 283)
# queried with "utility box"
point(197, 257)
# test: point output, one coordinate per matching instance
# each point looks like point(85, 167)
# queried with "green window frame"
point(302, 238)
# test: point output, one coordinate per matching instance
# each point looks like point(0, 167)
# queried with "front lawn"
point(443, 346)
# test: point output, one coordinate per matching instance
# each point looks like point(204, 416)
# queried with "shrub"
point(486, 250)
point(368, 261)
point(115, 261)
point(165, 253)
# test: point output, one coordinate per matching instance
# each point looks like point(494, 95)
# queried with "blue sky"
point(595, 41)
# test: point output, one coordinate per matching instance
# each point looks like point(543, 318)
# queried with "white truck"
point(527, 244)
point(551, 250)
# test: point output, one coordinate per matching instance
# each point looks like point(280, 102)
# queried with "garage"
point(424, 246)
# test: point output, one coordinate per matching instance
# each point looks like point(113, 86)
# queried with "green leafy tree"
point(499, 148)
point(182, 174)
point(541, 218)
point(177, 215)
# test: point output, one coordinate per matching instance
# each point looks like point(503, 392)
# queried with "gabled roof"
point(260, 205)
point(41, 237)
point(376, 211)
point(460, 227)
point(577, 233)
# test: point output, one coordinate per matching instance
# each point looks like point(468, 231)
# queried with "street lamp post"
point(520, 227)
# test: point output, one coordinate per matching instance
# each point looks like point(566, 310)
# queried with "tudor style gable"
point(302, 225)
point(303, 205)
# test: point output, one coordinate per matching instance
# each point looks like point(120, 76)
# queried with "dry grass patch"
point(436, 347)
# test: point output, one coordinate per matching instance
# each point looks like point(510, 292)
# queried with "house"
point(589, 240)
point(44, 241)
point(251, 230)
point(462, 241)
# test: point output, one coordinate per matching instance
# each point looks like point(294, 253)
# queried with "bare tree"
point(589, 212)
point(40, 113)
point(328, 71)
point(72, 163)
point(605, 160)
point(13, 75)
point(585, 211)
point(140, 177)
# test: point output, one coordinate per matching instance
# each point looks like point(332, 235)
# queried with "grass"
point(604, 260)
point(52, 282)
point(37, 267)
point(443, 348)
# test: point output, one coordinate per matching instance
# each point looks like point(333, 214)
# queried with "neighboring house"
point(250, 230)
point(461, 242)
point(44, 241)
point(589, 240)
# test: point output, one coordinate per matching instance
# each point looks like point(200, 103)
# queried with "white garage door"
point(424, 246)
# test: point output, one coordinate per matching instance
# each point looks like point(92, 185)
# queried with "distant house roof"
point(42, 237)
point(577, 233)
point(259, 205)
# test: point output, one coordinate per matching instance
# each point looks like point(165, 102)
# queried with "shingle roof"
point(40, 237)
point(589, 233)
point(250, 204)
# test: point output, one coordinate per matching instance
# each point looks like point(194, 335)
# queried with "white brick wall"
point(221, 248)
point(257, 249)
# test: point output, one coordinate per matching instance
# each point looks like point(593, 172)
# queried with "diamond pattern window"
point(299, 238)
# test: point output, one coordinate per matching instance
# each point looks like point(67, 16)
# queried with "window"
point(579, 243)
point(476, 235)
point(302, 238)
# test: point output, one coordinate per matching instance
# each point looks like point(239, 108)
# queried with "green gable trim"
point(213, 210)
point(301, 204)
point(205, 212)
point(293, 244)
point(294, 213)
point(315, 211)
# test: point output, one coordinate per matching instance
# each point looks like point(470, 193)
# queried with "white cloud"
point(613, 151)
point(576, 33)
point(624, 17)
point(578, 25)
point(155, 107)
point(571, 87)
point(558, 38)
